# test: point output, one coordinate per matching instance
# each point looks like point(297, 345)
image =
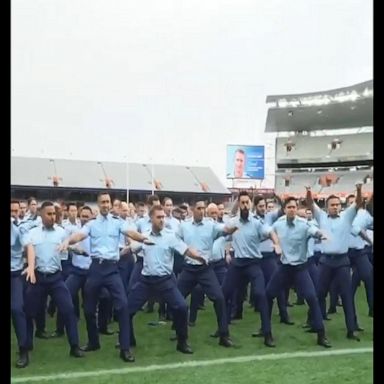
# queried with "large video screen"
point(245, 162)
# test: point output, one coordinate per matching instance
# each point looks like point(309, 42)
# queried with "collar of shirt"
point(333, 216)
point(197, 223)
point(291, 222)
point(49, 229)
point(156, 234)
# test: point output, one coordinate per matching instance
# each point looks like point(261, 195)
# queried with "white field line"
point(189, 364)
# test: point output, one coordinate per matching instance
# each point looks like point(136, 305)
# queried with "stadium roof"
point(347, 107)
point(38, 172)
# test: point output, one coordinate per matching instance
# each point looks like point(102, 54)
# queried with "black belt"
point(335, 255)
point(97, 260)
point(47, 274)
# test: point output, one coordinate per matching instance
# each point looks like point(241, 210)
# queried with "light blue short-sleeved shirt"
point(81, 261)
point(336, 229)
point(172, 223)
point(45, 243)
point(132, 226)
point(17, 262)
point(362, 221)
point(144, 224)
point(27, 224)
point(293, 237)
point(104, 232)
point(158, 258)
point(247, 238)
point(269, 218)
point(200, 236)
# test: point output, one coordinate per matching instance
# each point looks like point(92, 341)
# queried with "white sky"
point(173, 81)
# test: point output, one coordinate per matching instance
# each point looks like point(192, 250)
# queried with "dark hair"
point(154, 209)
point(166, 199)
point(331, 197)
point(240, 151)
point(351, 195)
point(86, 207)
point(102, 193)
point(47, 204)
point(152, 198)
point(71, 204)
point(15, 202)
point(30, 199)
point(243, 193)
point(183, 207)
point(257, 199)
point(289, 199)
point(140, 204)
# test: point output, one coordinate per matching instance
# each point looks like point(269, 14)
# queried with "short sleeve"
point(178, 245)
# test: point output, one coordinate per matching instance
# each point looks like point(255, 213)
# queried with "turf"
point(154, 347)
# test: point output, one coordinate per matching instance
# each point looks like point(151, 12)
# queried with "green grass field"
point(50, 357)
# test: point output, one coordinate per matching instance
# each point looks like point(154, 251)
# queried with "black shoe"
point(215, 335)
point(370, 313)
point(57, 334)
point(289, 304)
point(90, 348)
point(191, 323)
point(173, 338)
point(268, 341)
point(127, 356)
point(237, 316)
point(287, 321)
point(359, 329)
point(183, 347)
point(162, 317)
point(225, 341)
point(331, 311)
point(351, 336)
point(258, 334)
point(76, 352)
point(327, 318)
point(41, 334)
point(23, 359)
point(323, 341)
point(106, 332)
point(311, 330)
point(299, 302)
point(306, 326)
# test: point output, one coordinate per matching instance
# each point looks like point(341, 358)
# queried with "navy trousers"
point(105, 274)
point(197, 294)
point(362, 271)
point(314, 274)
point(165, 289)
point(136, 272)
point(286, 275)
point(337, 268)
point(126, 265)
point(269, 265)
point(248, 270)
point(53, 285)
point(204, 275)
point(19, 320)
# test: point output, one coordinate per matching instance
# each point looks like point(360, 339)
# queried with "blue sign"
point(245, 162)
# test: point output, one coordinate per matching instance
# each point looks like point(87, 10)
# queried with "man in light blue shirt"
point(157, 279)
point(246, 263)
point(268, 262)
point(293, 233)
point(334, 262)
point(360, 247)
point(104, 232)
point(19, 319)
point(43, 253)
point(200, 234)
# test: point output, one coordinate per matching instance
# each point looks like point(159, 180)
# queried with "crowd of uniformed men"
point(120, 256)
